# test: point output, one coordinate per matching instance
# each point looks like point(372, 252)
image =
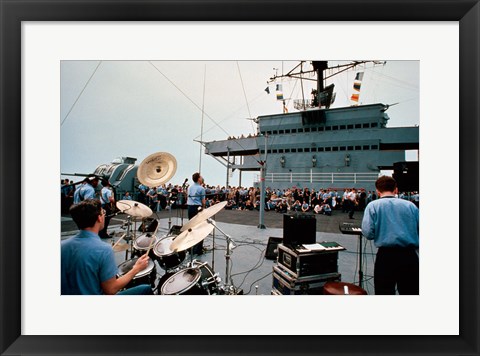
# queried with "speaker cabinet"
point(407, 176)
point(299, 229)
point(272, 248)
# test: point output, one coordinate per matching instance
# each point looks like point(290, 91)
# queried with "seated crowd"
point(318, 201)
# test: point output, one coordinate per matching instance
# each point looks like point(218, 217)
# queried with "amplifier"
point(299, 228)
point(307, 263)
point(284, 284)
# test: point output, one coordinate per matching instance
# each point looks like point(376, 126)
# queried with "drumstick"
point(153, 239)
point(120, 239)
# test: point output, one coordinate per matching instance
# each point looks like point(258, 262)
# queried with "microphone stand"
point(229, 288)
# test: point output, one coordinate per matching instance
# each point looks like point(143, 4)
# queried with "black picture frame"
point(13, 12)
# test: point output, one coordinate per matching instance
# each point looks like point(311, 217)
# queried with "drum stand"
point(229, 288)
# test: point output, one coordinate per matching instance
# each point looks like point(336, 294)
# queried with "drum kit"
point(170, 251)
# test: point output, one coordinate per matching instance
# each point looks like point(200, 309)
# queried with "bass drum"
point(196, 280)
point(166, 258)
point(145, 276)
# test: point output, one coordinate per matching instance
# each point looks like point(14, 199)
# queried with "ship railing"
point(300, 104)
point(315, 177)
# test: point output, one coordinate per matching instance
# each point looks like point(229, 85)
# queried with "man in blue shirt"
point(392, 224)
point(108, 204)
point(88, 264)
point(86, 190)
point(195, 202)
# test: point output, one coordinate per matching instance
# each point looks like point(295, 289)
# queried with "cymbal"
point(157, 169)
point(134, 208)
point(204, 215)
point(191, 237)
point(121, 247)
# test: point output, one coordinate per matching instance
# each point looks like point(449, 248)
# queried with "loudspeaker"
point(272, 248)
point(407, 176)
point(299, 229)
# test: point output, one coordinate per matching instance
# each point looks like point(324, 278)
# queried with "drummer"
point(88, 264)
point(196, 202)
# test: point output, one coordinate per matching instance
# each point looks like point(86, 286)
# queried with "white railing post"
point(332, 178)
point(355, 177)
point(291, 177)
point(311, 176)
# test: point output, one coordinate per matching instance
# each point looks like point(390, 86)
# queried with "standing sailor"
point(86, 190)
point(108, 204)
point(195, 202)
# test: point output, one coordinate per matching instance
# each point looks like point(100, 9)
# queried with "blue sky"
point(135, 108)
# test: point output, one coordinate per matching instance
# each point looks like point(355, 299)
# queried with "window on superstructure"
point(314, 129)
point(300, 130)
point(335, 128)
point(269, 151)
point(321, 128)
point(274, 132)
point(343, 127)
point(306, 149)
point(299, 150)
point(358, 126)
point(374, 147)
point(320, 149)
point(262, 152)
point(366, 126)
point(350, 148)
point(349, 127)
point(358, 148)
point(307, 129)
point(366, 147)
point(287, 131)
point(373, 124)
point(281, 132)
point(294, 150)
point(313, 149)
point(334, 148)
point(269, 132)
point(274, 151)
point(280, 150)
point(343, 148)
point(328, 149)
point(294, 130)
point(328, 128)
point(287, 150)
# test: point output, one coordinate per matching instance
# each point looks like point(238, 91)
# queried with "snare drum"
point(142, 243)
point(197, 280)
point(167, 259)
point(145, 276)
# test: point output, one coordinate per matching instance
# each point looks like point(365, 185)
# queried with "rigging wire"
point(245, 95)
point(231, 116)
point(196, 105)
point(80, 94)
point(203, 111)
point(187, 97)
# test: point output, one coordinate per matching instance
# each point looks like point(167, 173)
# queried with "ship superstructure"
point(320, 147)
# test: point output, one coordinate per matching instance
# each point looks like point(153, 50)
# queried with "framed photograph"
point(43, 42)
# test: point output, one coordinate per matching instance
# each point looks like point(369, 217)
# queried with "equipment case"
point(285, 284)
point(308, 263)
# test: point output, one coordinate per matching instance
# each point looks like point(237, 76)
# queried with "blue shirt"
point(391, 222)
point(85, 191)
point(196, 193)
point(86, 262)
point(105, 195)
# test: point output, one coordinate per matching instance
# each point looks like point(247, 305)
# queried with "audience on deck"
point(316, 201)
